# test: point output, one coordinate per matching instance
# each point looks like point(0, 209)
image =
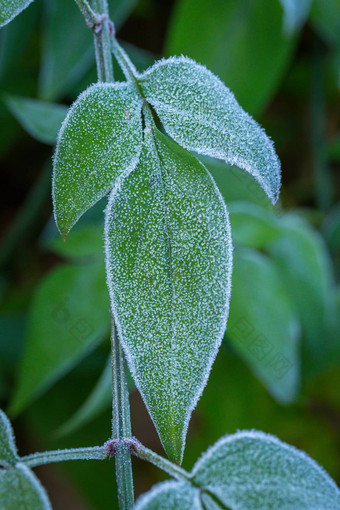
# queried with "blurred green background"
point(278, 366)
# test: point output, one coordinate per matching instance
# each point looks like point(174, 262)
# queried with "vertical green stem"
point(96, 14)
point(121, 423)
point(102, 42)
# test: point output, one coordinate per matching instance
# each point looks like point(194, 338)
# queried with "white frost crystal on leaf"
point(170, 496)
point(169, 258)
point(255, 471)
point(11, 8)
point(99, 142)
point(21, 489)
point(250, 471)
point(202, 114)
point(8, 450)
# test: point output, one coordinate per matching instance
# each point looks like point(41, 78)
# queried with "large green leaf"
point(249, 471)
point(172, 496)
point(11, 8)
point(100, 141)
point(263, 326)
point(296, 12)
point(21, 489)
point(40, 119)
point(168, 257)
point(69, 317)
point(201, 114)
point(68, 45)
point(8, 450)
point(240, 40)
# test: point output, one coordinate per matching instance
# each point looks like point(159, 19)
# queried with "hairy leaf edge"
point(15, 13)
point(219, 338)
point(125, 173)
point(273, 195)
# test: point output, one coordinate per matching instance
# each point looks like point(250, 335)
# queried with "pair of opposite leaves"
point(167, 233)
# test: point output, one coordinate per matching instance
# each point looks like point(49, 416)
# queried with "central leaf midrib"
point(170, 258)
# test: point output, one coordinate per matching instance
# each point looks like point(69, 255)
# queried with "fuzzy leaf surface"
point(99, 141)
point(202, 114)
point(11, 8)
point(172, 496)
point(40, 119)
point(250, 471)
point(8, 450)
point(21, 489)
point(168, 257)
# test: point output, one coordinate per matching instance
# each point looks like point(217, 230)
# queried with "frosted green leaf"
point(8, 450)
point(250, 471)
point(202, 114)
point(256, 471)
point(168, 259)
point(170, 496)
point(99, 142)
point(21, 489)
point(40, 119)
point(295, 13)
point(11, 8)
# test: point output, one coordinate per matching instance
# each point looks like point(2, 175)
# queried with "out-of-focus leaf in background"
point(296, 13)
point(241, 41)
point(69, 317)
point(263, 326)
point(68, 54)
point(40, 119)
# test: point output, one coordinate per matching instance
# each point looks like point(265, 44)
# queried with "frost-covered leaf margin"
point(11, 8)
point(170, 302)
point(99, 142)
point(250, 470)
point(201, 114)
point(20, 488)
point(8, 449)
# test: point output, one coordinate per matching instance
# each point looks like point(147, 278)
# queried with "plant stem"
point(40, 458)
point(102, 43)
point(88, 13)
point(169, 467)
point(124, 61)
point(121, 424)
